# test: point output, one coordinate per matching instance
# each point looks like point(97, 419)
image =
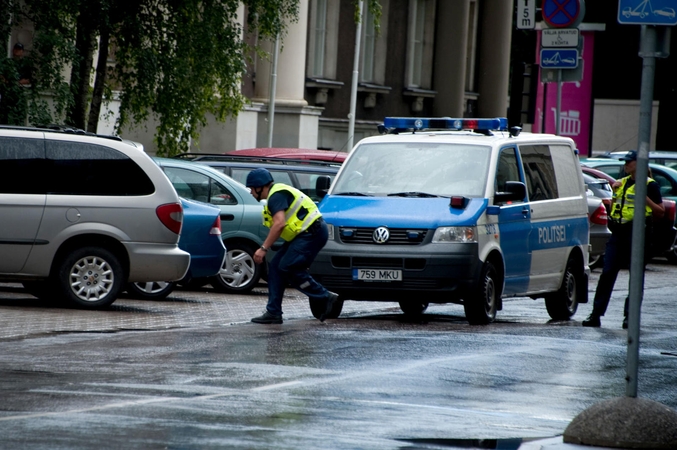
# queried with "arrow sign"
point(559, 58)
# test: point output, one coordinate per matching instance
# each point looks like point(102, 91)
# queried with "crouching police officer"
point(293, 216)
point(618, 247)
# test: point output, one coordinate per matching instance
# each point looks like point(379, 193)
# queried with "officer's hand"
point(259, 255)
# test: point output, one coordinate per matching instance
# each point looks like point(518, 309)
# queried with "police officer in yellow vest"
point(294, 217)
point(618, 248)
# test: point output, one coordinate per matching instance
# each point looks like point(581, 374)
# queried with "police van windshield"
point(415, 170)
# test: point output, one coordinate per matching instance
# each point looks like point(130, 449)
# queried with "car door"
point(514, 224)
point(22, 199)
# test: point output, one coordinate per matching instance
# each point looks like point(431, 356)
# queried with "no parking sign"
point(563, 13)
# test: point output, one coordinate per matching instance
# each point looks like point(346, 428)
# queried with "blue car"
point(201, 237)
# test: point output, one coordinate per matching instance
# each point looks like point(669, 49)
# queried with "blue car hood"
point(399, 212)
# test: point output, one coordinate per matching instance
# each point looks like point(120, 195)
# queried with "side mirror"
point(322, 185)
point(514, 191)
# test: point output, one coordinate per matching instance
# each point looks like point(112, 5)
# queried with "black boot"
point(592, 321)
point(267, 318)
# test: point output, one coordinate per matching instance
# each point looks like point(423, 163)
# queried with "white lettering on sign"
point(526, 14)
point(549, 235)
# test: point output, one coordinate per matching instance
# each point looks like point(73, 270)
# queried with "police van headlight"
point(330, 231)
point(455, 234)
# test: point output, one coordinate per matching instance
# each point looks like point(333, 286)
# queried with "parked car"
point(83, 215)
point(242, 230)
point(665, 233)
point(275, 152)
point(301, 174)
point(664, 176)
point(201, 237)
point(599, 202)
point(663, 158)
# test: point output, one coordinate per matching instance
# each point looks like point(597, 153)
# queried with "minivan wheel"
point(239, 273)
point(151, 290)
point(89, 277)
point(563, 304)
point(480, 309)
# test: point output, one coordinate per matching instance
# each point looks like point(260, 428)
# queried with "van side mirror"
point(322, 185)
point(514, 191)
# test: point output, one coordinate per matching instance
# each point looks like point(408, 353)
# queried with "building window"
point(323, 41)
point(420, 43)
point(373, 52)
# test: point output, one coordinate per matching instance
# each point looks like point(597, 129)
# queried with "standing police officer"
point(618, 248)
point(293, 216)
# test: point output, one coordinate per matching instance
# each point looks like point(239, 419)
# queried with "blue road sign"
point(562, 13)
point(647, 12)
point(559, 58)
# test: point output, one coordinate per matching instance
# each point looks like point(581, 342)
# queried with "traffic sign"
point(647, 12)
point(526, 14)
point(559, 58)
point(559, 37)
point(563, 13)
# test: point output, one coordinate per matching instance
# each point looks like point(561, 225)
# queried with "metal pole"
point(648, 51)
point(356, 74)
point(273, 86)
point(559, 102)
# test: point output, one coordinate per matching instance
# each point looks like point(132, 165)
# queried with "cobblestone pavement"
point(22, 315)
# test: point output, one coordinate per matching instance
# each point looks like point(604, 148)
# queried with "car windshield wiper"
point(359, 194)
point(412, 194)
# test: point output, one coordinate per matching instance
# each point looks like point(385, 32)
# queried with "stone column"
point(295, 123)
point(494, 53)
point(451, 40)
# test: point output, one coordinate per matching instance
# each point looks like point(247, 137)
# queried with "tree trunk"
point(85, 42)
point(100, 82)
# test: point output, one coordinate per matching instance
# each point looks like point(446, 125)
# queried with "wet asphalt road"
point(191, 372)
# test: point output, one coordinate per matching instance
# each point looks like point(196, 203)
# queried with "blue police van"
point(457, 211)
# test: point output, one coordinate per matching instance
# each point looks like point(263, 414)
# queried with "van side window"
point(77, 168)
point(539, 172)
point(22, 166)
point(507, 169)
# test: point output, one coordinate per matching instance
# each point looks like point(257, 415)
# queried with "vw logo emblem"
point(381, 235)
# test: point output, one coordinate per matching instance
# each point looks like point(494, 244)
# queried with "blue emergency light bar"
point(445, 123)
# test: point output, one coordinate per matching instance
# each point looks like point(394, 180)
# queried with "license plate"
point(377, 275)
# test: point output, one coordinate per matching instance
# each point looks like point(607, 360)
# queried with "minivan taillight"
point(216, 227)
point(171, 216)
point(599, 215)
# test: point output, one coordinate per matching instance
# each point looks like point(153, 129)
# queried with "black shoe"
point(625, 323)
point(267, 318)
point(331, 299)
point(592, 321)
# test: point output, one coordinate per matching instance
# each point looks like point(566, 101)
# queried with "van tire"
point(89, 277)
point(481, 308)
point(413, 308)
point(239, 273)
point(563, 304)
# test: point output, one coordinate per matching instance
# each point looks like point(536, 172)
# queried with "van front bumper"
point(439, 274)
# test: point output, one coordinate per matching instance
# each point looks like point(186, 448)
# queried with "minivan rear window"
point(77, 168)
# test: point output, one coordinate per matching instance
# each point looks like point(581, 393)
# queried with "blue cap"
point(259, 177)
point(630, 156)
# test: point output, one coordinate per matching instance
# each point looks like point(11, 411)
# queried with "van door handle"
point(228, 217)
point(525, 211)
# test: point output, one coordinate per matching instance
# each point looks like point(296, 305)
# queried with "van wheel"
point(89, 277)
point(481, 308)
point(563, 304)
point(317, 308)
point(151, 290)
point(239, 273)
point(413, 308)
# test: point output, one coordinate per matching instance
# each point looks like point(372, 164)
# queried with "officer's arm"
point(273, 235)
point(657, 209)
point(656, 204)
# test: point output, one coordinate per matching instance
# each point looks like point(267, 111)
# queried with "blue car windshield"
point(415, 170)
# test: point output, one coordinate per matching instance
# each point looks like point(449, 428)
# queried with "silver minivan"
point(83, 215)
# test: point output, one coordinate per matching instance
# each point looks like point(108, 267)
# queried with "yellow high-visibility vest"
point(623, 202)
point(293, 225)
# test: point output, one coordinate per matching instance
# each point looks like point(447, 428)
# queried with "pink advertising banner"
point(576, 106)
